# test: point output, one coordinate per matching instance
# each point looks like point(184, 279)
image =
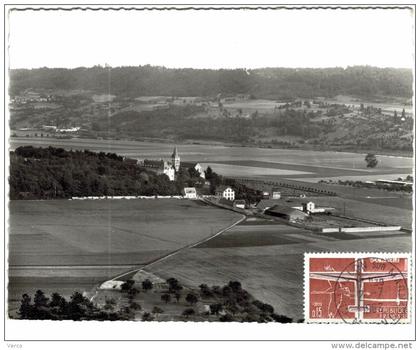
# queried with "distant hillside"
point(266, 82)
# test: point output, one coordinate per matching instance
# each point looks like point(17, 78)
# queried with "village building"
point(200, 170)
point(190, 193)
point(176, 159)
point(239, 203)
point(266, 195)
point(169, 168)
point(225, 192)
point(287, 213)
point(308, 206)
point(275, 193)
point(302, 204)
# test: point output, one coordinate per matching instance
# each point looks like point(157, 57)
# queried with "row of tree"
point(78, 308)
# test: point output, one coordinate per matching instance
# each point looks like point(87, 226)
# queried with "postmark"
point(357, 288)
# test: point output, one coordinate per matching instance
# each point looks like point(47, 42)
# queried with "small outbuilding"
point(239, 203)
point(190, 193)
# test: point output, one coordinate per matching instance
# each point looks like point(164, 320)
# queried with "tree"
point(188, 312)
point(127, 285)
point(371, 161)
point(132, 292)
point(157, 310)
point(403, 114)
point(110, 304)
point(166, 298)
point(135, 306)
point(226, 318)
point(208, 173)
point(193, 173)
point(281, 318)
point(177, 296)
point(147, 316)
point(215, 308)
point(26, 309)
point(40, 300)
point(395, 117)
point(147, 285)
point(58, 303)
point(267, 308)
point(174, 285)
point(235, 285)
point(191, 298)
point(205, 291)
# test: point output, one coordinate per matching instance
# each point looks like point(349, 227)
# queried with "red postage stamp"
point(357, 288)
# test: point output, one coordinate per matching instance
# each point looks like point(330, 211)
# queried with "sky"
point(212, 39)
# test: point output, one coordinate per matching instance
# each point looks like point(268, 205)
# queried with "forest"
point(275, 83)
point(48, 173)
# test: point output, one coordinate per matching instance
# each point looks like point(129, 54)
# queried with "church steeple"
point(176, 159)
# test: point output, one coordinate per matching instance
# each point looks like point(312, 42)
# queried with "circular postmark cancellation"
point(364, 289)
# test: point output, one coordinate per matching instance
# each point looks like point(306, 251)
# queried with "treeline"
point(47, 173)
point(78, 308)
point(266, 82)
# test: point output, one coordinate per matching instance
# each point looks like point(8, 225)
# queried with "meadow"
point(71, 245)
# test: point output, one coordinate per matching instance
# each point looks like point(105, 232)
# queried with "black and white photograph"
point(187, 166)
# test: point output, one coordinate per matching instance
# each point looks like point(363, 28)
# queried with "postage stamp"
point(357, 287)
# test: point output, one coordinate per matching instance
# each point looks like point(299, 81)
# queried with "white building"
point(168, 170)
point(225, 192)
point(309, 207)
point(239, 203)
point(190, 193)
point(200, 170)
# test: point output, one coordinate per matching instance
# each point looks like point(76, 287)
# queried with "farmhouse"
point(225, 192)
point(196, 166)
point(190, 193)
point(287, 213)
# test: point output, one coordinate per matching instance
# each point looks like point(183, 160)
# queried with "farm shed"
point(267, 203)
point(287, 213)
point(239, 203)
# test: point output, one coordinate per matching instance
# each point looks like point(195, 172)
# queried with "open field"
point(268, 260)
point(250, 106)
point(68, 245)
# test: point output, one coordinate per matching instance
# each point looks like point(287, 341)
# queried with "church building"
point(167, 167)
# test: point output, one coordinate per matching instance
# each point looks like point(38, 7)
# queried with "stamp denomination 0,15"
point(357, 288)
